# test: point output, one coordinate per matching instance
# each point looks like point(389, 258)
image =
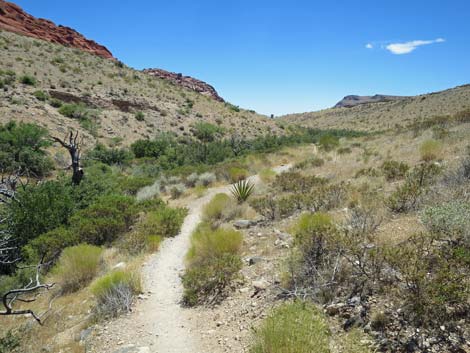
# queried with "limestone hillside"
point(387, 115)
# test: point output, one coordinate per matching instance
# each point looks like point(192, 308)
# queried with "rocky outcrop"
point(14, 19)
point(352, 101)
point(187, 82)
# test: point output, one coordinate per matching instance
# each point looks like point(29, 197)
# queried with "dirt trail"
point(160, 324)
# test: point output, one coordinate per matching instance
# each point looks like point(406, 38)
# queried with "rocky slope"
point(14, 19)
point(353, 100)
point(187, 82)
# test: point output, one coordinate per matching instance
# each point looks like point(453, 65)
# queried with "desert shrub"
point(430, 150)
point(267, 175)
point(328, 142)
point(311, 266)
point(110, 156)
point(56, 103)
point(370, 172)
point(434, 277)
point(139, 116)
point(206, 132)
point(22, 147)
point(237, 174)
point(28, 80)
point(220, 208)
point(115, 293)
point(77, 266)
point(40, 95)
point(131, 185)
point(450, 219)
point(78, 111)
point(206, 283)
point(296, 182)
point(242, 190)
point(104, 220)
point(164, 222)
point(9, 342)
point(206, 179)
point(344, 150)
point(394, 170)
point(310, 162)
point(41, 208)
point(49, 245)
point(407, 196)
point(297, 327)
point(191, 180)
point(177, 190)
point(213, 262)
point(148, 192)
point(265, 206)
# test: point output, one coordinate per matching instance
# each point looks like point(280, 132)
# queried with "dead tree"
point(72, 144)
point(26, 294)
point(9, 256)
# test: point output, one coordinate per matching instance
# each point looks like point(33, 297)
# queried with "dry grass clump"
point(77, 266)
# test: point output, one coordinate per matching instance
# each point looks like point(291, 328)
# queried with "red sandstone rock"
point(187, 82)
point(14, 19)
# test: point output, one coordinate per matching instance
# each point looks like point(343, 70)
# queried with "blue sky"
point(281, 57)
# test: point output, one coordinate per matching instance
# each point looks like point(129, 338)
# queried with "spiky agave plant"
point(242, 190)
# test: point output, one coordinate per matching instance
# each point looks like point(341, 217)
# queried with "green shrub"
point(213, 262)
point(139, 116)
point(77, 266)
point(40, 208)
point(110, 156)
point(165, 222)
point(40, 95)
point(115, 292)
point(328, 142)
point(28, 80)
point(237, 174)
point(22, 147)
point(430, 150)
point(296, 327)
point(220, 208)
point(131, 185)
point(77, 111)
point(49, 245)
point(56, 103)
point(9, 342)
point(394, 170)
point(207, 282)
point(104, 220)
point(207, 243)
point(242, 190)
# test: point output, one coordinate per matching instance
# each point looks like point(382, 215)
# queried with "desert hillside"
point(109, 100)
point(387, 115)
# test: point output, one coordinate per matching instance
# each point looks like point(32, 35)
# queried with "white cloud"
point(369, 46)
point(408, 47)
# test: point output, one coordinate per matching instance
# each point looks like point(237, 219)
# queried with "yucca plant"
point(242, 190)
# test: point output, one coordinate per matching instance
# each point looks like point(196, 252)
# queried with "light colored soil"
point(159, 324)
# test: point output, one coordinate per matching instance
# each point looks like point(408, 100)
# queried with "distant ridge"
point(352, 101)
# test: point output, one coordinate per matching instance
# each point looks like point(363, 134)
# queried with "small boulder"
point(242, 224)
point(260, 285)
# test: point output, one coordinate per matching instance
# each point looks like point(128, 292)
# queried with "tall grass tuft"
point(77, 266)
point(296, 327)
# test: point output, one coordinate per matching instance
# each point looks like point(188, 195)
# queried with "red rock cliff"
point(187, 82)
point(14, 19)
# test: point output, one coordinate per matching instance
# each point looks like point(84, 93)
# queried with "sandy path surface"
point(159, 324)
